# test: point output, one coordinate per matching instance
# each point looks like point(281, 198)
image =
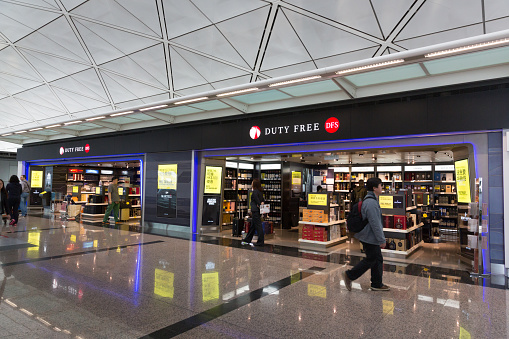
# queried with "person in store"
point(359, 192)
point(372, 238)
point(25, 187)
point(3, 201)
point(319, 189)
point(13, 198)
point(113, 201)
point(256, 200)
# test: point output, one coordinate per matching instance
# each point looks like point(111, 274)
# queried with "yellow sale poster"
point(210, 286)
point(296, 178)
point(36, 179)
point(167, 177)
point(213, 179)
point(462, 181)
point(317, 199)
point(386, 201)
point(163, 284)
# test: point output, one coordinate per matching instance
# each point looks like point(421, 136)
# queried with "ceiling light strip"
point(238, 92)
point(73, 122)
point(19, 132)
point(190, 100)
point(6, 135)
point(362, 68)
point(282, 83)
point(35, 129)
point(95, 118)
point(153, 107)
point(467, 48)
point(51, 126)
point(121, 113)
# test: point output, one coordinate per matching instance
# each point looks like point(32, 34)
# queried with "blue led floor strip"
point(232, 305)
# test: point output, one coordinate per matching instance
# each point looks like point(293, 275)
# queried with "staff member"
point(113, 201)
point(256, 200)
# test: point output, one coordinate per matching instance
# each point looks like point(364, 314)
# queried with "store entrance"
point(311, 195)
point(79, 191)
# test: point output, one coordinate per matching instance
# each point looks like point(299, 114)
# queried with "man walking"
point(372, 238)
point(113, 201)
point(25, 193)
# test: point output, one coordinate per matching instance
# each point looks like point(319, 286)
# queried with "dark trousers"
point(13, 206)
point(255, 226)
point(373, 260)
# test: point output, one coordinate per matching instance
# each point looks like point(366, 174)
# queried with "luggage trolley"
point(71, 211)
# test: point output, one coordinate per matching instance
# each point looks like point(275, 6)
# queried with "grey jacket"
point(373, 232)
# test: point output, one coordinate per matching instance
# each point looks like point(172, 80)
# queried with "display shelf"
point(448, 216)
point(279, 179)
point(403, 253)
point(320, 245)
point(229, 212)
point(389, 181)
point(91, 215)
point(135, 206)
point(435, 221)
point(97, 204)
point(342, 191)
point(333, 205)
point(133, 195)
point(447, 205)
point(419, 181)
point(322, 224)
point(136, 217)
point(227, 223)
point(411, 229)
point(446, 182)
point(446, 193)
point(341, 180)
point(411, 208)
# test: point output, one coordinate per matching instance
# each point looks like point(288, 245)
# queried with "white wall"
point(8, 167)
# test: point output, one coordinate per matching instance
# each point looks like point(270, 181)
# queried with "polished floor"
point(61, 279)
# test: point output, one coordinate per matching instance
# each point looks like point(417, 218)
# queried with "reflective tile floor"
point(66, 280)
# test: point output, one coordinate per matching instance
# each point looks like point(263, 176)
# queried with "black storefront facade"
point(471, 115)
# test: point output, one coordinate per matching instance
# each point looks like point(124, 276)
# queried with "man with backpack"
point(25, 193)
point(359, 192)
point(371, 235)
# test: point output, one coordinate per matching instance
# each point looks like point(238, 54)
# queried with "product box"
point(437, 176)
point(400, 222)
point(391, 244)
point(448, 188)
point(449, 176)
point(388, 221)
point(400, 244)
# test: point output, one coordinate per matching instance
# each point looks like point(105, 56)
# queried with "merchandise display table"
point(321, 245)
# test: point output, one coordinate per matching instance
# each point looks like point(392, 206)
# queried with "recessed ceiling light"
point(19, 132)
point(51, 126)
point(282, 83)
point(95, 118)
point(238, 92)
point(121, 113)
point(72, 122)
point(190, 100)
point(467, 48)
point(153, 107)
point(362, 68)
point(35, 129)
point(6, 135)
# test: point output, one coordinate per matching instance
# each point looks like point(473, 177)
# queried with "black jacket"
point(256, 200)
point(3, 203)
point(14, 190)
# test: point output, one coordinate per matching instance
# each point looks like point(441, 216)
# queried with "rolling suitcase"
point(238, 226)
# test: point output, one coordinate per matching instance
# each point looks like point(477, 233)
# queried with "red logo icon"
point(332, 125)
point(254, 132)
point(87, 148)
point(61, 151)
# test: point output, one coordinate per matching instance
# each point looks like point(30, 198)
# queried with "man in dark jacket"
point(359, 192)
point(372, 238)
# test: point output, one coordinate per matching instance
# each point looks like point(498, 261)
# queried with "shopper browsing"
point(372, 238)
point(25, 193)
point(13, 198)
point(359, 192)
point(256, 200)
point(3, 201)
point(113, 201)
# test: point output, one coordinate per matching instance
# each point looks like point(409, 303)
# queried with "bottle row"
point(445, 199)
point(271, 175)
point(271, 186)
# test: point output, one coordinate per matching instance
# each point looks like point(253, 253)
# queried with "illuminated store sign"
point(331, 125)
point(462, 181)
point(77, 149)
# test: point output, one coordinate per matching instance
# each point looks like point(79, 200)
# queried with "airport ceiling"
point(71, 60)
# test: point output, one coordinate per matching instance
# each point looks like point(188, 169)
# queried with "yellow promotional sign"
point(120, 190)
point(462, 181)
point(75, 189)
point(167, 177)
point(36, 179)
point(163, 284)
point(98, 190)
point(386, 201)
point(210, 286)
point(73, 238)
point(296, 178)
point(213, 179)
point(317, 291)
point(317, 199)
point(96, 243)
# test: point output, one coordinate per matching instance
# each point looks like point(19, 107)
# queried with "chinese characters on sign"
point(167, 177)
point(462, 181)
point(213, 180)
point(386, 201)
point(36, 179)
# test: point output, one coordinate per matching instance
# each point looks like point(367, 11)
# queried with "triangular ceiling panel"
point(284, 46)
point(496, 9)
point(389, 19)
point(245, 33)
point(386, 52)
point(135, 15)
point(107, 43)
point(218, 10)
point(11, 62)
point(75, 102)
point(184, 75)
point(322, 40)
point(355, 14)
point(50, 4)
point(143, 101)
point(444, 14)
point(16, 21)
point(194, 90)
point(12, 112)
point(210, 41)
point(146, 65)
point(71, 4)
point(12, 84)
point(232, 82)
point(497, 25)
point(183, 17)
point(346, 57)
point(297, 68)
point(56, 38)
point(52, 68)
point(209, 69)
point(450, 35)
point(122, 89)
point(43, 96)
point(37, 112)
point(85, 83)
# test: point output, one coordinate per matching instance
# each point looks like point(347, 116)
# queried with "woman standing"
point(256, 200)
point(14, 197)
point(3, 201)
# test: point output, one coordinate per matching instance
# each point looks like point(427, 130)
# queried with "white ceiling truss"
point(69, 60)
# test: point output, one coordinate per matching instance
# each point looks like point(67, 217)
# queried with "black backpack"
point(355, 222)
